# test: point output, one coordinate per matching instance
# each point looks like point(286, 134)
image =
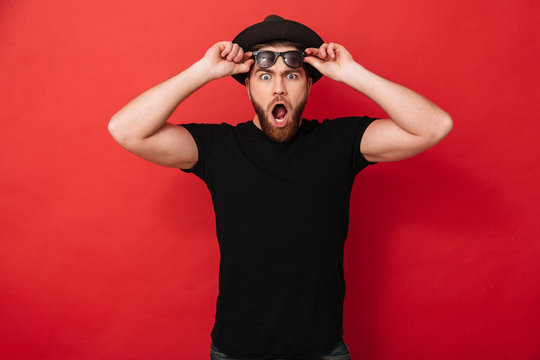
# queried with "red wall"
point(106, 256)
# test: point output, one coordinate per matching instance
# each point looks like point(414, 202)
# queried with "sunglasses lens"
point(293, 59)
point(265, 59)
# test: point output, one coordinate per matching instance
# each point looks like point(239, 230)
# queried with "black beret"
point(273, 28)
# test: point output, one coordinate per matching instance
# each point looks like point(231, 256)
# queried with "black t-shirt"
point(282, 214)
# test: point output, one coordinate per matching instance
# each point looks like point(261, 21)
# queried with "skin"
point(414, 125)
point(279, 83)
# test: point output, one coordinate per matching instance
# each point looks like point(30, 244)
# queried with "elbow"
point(447, 125)
point(115, 130)
point(111, 126)
point(443, 128)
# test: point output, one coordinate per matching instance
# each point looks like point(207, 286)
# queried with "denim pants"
point(340, 352)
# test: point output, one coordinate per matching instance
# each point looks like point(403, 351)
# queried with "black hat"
point(275, 27)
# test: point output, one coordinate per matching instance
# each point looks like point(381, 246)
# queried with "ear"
point(247, 87)
point(309, 83)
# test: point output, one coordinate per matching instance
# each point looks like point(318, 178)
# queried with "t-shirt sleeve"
point(204, 136)
point(351, 130)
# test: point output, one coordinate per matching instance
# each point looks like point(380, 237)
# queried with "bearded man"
point(280, 184)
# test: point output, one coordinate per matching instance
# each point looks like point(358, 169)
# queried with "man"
point(280, 184)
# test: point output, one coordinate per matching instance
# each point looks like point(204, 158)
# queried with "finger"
point(240, 56)
point(312, 51)
point(233, 52)
point(243, 67)
point(245, 58)
point(248, 63)
point(331, 50)
point(227, 49)
point(315, 62)
point(322, 51)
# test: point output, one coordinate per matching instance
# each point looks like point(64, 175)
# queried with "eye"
point(265, 76)
point(291, 76)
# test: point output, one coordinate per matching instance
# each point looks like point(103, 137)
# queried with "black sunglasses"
point(266, 58)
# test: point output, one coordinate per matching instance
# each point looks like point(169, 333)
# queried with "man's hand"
point(415, 123)
point(141, 126)
point(332, 60)
point(225, 58)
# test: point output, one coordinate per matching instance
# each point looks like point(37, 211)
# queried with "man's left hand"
point(331, 60)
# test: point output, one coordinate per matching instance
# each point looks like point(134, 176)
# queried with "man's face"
point(278, 94)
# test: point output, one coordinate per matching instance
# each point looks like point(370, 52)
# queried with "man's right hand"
point(225, 58)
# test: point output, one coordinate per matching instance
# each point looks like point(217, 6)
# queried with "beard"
point(277, 134)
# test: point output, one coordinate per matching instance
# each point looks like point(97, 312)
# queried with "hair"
point(282, 43)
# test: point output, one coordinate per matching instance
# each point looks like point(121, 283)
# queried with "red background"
point(106, 256)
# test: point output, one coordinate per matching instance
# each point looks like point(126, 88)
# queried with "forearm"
point(149, 111)
point(409, 110)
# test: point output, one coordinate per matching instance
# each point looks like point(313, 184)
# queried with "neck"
point(257, 122)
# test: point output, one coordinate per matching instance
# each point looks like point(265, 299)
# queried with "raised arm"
point(415, 123)
point(141, 126)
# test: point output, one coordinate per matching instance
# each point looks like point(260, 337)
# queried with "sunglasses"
point(266, 58)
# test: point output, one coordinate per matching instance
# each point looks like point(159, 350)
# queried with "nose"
point(279, 86)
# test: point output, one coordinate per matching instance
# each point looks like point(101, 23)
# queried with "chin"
point(283, 130)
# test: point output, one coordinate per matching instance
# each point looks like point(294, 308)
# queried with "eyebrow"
point(268, 70)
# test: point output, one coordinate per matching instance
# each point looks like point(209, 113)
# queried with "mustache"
point(279, 99)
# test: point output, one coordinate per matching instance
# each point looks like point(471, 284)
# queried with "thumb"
point(314, 61)
point(244, 67)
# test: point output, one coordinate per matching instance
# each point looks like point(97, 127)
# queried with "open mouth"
point(279, 112)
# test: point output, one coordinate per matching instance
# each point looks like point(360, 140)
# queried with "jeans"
point(340, 352)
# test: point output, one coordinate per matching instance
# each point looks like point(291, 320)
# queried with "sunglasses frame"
point(278, 54)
